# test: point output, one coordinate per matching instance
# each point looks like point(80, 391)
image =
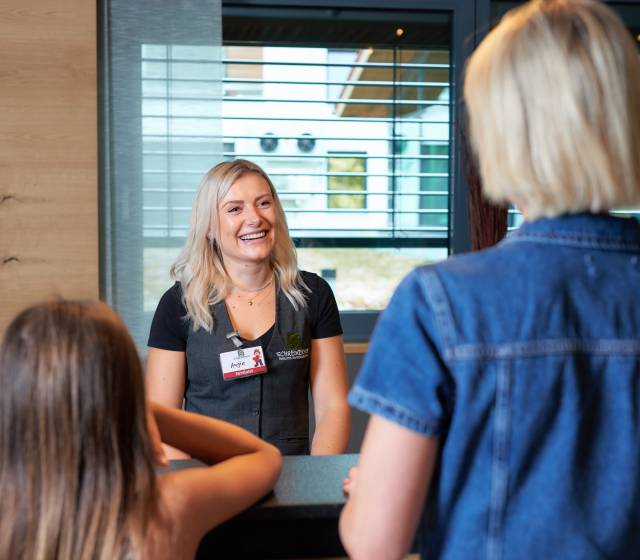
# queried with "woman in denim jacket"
point(504, 386)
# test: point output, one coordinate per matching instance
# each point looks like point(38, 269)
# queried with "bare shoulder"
point(168, 535)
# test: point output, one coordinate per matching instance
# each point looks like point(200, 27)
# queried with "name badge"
point(242, 362)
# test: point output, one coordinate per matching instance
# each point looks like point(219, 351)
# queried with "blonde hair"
point(200, 268)
point(76, 466)
point(553, 94)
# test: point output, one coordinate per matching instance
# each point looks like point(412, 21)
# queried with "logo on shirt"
point(294, 341)
point(293, 354)
point(294, 349)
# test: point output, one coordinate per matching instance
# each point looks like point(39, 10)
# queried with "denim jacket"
point(524, 360)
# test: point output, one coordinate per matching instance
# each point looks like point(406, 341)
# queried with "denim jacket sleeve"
point(404, 377)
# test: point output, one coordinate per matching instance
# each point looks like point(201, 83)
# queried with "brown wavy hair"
point(487, 221)
point(77, 479)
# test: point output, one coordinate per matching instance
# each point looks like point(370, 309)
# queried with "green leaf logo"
point(294, 341)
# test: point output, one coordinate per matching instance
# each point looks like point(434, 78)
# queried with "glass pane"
point(344, 269)
point(329, 112)
point(157, 262)
point(162, 130)
point(348, 271)
point(354, 130)
point(180, 133)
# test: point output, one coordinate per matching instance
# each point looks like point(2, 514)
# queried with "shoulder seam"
point(434, 293)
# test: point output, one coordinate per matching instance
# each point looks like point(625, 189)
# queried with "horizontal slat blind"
point(355, 140)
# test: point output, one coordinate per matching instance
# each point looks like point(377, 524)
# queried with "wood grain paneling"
point(356, 347)
point(48, 152)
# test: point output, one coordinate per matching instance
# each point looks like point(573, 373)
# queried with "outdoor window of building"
point(346, 176)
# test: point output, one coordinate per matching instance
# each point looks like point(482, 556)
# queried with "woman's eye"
point(265, 202)
point(233, 209)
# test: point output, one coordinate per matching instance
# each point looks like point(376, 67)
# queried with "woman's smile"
point(254, 236)
point(246, 221)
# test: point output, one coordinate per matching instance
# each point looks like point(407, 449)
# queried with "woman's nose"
point(253, 216)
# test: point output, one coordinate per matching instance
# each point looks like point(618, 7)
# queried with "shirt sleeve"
point(404, 377)
point(323, 309)
point(170, 327)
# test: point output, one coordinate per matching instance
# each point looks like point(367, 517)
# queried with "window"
point(354, 129)
point(346, 174)
point(180, 138)
point(349, 110)
point(434, 181)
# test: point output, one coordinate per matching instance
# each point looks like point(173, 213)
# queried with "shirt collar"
point(601, 230)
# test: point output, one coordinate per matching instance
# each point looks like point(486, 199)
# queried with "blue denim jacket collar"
point(598, 231)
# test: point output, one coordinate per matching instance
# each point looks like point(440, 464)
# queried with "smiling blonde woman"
point(238, 291)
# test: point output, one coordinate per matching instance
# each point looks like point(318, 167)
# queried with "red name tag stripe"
point(244, 372)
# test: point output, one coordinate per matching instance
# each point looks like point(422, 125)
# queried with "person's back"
point(539, 336)
point(504, 386)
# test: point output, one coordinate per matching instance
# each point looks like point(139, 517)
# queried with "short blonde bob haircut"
point(553, 95)
point(200, 268)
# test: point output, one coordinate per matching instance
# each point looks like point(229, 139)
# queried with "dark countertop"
point(299, 519)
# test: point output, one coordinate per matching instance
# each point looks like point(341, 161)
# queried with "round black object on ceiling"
point(268, 142)
point(306, 143)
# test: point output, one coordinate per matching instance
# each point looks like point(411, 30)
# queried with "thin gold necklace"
point(252, 299)
point(257, 300)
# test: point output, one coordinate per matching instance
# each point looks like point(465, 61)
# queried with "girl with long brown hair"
point(79, 447)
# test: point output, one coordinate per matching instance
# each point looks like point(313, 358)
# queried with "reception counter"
point(298, 520)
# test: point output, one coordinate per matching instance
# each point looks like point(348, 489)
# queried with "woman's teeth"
point(251, 236)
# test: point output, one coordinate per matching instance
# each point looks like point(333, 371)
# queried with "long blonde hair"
point(554, 101)
point(77, 479)
point(199, 267)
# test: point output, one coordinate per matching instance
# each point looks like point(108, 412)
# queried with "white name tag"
point(242, 362)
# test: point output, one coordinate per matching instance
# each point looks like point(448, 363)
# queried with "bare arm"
point(382, 513)
point(329, 390)
point(165, 381)
point(244, 468)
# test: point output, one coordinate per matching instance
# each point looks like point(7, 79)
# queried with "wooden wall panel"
point(48, 152)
